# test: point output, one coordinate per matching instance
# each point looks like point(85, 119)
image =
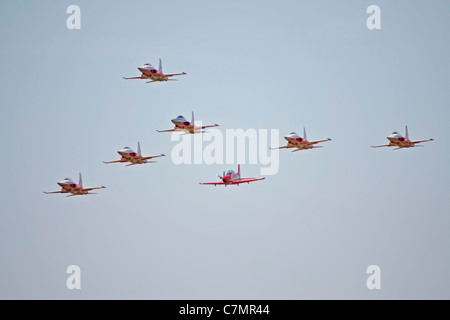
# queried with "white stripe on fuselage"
point(297, 141)
point(181, 123)
point(400, 141)
point(149, 72)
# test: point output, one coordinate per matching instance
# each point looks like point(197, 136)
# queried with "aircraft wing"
point(60, 191)
point(284, 147)
point(318, 141)
point(248, 180)
point(151, 157)
point(419, 141)
point(133, 78)
point(214, 183)
point(210, 126)
point(174, 74)
point(89, 189)
point(383, 145)
point(169, 130)
point(245, 180)
point(115, 161)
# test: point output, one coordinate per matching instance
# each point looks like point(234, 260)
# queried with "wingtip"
point(163, 155)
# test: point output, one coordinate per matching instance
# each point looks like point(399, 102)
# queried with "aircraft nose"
point(60, 183)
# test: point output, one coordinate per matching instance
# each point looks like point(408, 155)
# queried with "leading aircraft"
point(232, 177)
point(295, 141)
point(155, 75)
point(181, 124)
point(128, 155)
point(68, 186)
point(399, 141)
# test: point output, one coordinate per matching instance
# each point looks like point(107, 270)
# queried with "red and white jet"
point(397, 140)
point(181, 124)
point(68, 186)
point(232, 178)
point(128, 155)
point(149, 72)
point(295, 141)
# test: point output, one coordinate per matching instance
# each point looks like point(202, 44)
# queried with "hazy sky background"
point(154, 233)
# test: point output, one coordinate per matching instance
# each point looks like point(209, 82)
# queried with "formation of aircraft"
point(232, 178)
point(399, 141)
point(155, 75)
point(295, 141)
point(68, 186)
point(181, 124)
point(128, 155)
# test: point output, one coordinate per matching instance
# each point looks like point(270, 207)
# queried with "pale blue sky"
point(308, 232)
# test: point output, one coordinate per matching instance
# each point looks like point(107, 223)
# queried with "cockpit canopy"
point(293, 133)
point(181, 118)
point(230, 172)
point(395, 132)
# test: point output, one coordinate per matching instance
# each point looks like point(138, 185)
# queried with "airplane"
point(149, 72)
point(68, 186)
point(128, 155)
point(181, 124)
point(232, 178)
point(397, 140)
point(295, 141)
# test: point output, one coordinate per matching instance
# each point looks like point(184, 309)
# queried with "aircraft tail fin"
point(304, 134)
point(80, 181)
point(406, 133)
point(139, 149)
point(192, 118)
point(239, 170)
point(160, 66)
